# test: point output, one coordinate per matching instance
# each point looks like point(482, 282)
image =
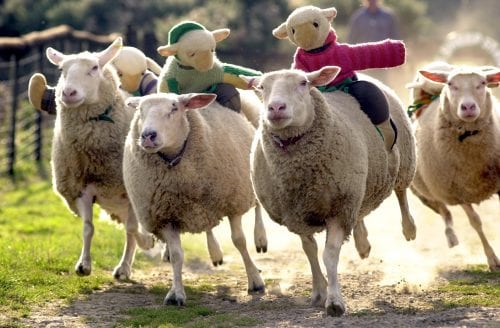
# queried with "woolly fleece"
point(211, 181)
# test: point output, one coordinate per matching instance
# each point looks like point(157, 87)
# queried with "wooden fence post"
point(11, 144)
point(38, 115)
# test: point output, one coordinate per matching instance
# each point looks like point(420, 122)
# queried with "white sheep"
point(87, 148)
point(458, 148)
point(319, 163)
point(185, 169)
point(423, 91)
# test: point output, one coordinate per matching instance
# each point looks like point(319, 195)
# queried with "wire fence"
point(25, 133)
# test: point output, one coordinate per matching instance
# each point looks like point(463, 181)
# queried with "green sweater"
point(181, 79)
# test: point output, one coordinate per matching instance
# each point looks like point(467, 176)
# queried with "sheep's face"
point(307, 27)
point(287, 95)
point(162, 124)
point(196, 48)
point(466, 96)
point(80, 80)
point(81, 74)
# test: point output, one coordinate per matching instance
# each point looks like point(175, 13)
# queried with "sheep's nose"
point(468, 107)
point(148, 135)
point(69, 92)
point(276, 106)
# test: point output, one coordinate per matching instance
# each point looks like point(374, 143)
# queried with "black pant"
point(371, 99)
point(228, 96)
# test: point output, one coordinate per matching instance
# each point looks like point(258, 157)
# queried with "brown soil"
point(397, 286)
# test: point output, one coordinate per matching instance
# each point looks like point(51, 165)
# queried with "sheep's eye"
point(191, 54)
point(316, 25)
point(303, 82)
point(260, 87)
point(120, 74)
point(213, 50)
point(95, 68)
point(482, 85)
point(174, 108)
point(293, 31)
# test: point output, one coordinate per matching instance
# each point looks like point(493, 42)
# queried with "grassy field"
point(40, 242)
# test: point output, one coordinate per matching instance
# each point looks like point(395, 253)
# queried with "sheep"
point(318, 163)
point(423, 91)
point(185, 169)
point(458, 148)
point(87, 148)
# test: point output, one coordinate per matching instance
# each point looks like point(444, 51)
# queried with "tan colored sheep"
point(458, 148)
point(87, 148)
point(185, 169)
point(318, 163)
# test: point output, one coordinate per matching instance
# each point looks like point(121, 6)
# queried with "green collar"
point(104, 116)
point(420, 104)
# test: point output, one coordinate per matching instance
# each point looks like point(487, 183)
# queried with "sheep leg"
point(123, 270)
point(176, 295)
point(361, 239)
point(475, 222)
point(84, 205)
point(409, 228)
point(165, 254)
point(144, 239)
point(335, 236)
point(319, 283)
point(259, 232)
point(214, 249)
point(448, 221)
point(255, 282)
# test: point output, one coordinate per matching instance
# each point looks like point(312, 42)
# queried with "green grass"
point(476, 287)
point(40, 242)
point(194, 314)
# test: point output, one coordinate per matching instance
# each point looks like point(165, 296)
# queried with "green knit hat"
point(182, 28)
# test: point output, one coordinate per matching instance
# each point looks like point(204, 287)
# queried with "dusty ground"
point(395, 287)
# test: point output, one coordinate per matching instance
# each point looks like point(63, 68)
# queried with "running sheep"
point(319, 163)
point(458, 147)
point(185, 169)
point(87, 148)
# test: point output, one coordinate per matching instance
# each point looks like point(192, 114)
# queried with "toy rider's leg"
point(374, 103)
point(41, 96)
point(228, 96)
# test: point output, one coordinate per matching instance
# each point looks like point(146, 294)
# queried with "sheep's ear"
point(220, 34)
point(110, 52)
point(54, 56)
point(493, 79)
point(252, 81)
point(168, 50)
point(280, 32)
point(436, 76)
point(133, 102)
point(329, 13)
point(196, 100)
point(413, 85)
point(323, 76)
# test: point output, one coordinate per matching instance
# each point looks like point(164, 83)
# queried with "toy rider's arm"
point(231, 73)
point(382, 54)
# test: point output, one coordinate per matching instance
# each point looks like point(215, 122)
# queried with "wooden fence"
point(25, 133)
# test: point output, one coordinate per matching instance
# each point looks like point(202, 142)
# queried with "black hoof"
point(257, 290)
point(81, 271)
point(173, 302)
point(262, 249)
point(334, 310)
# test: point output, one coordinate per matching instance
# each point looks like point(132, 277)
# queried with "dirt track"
point(395, 287)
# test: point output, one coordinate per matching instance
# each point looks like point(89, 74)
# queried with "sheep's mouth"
point(149, 146)
point(72, 102)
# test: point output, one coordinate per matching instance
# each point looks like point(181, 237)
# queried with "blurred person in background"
point(373, 22)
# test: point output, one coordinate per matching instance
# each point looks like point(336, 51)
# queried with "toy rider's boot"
point(40, 95)
point(389, 133)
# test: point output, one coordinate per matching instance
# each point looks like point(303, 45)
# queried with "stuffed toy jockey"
point(310, 29)
point(137, 73)
point(192, 65)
